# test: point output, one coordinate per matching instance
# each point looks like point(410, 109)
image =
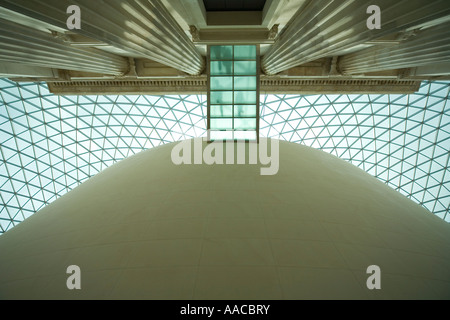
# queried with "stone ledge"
point(199, 86)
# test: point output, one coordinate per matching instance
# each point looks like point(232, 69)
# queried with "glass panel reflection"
point(221, 111)
point(221, 97)
point(244, 52)
point(221, 52)
point(219, 68)
point(245, 67)
point(245, 124)
point(221, 83)
point(244, 83)
point(245, 111)
point(245, 97)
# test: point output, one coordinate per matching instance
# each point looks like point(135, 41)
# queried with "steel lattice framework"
point(50, 144)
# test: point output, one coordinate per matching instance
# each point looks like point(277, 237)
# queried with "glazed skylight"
point(50, 144)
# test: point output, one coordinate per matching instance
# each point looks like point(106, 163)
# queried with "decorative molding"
point(273, 32)
point(345, 86)
point(334, 68)
point(242, 35)
point(131, 68)
point(194, 33)
point(61, 36)
point(198, 85)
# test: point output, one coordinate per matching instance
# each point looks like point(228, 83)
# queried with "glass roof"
point(233, 93)
point(50, 144)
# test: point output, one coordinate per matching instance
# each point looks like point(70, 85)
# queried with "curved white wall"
point(147, 229)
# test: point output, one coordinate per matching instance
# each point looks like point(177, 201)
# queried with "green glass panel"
point(221, 111)
point(219, 68)
point(245, 111)
point(221, 52)
point(244, 97)
point(221, 124)
point(221, 83)
point(245, 68)
point(245, 124)
point(221, 97)
point(244, 83)
point(245, 52)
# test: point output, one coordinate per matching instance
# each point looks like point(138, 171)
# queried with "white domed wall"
point(148, 229)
